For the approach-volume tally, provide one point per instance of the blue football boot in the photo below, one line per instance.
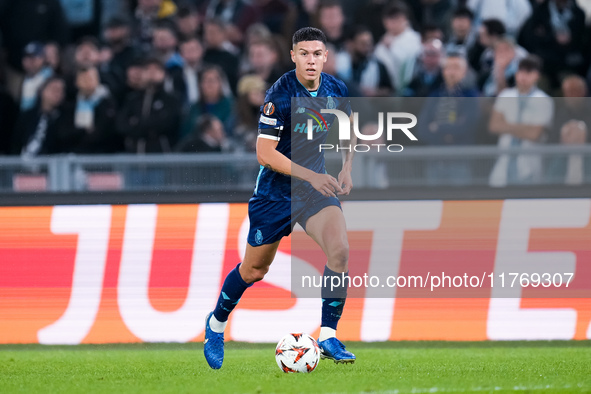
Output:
(213, 346)
(333, 349)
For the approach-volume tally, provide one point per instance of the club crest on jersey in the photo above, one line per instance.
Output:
(330, 103)
(269, 109)
(259, 237)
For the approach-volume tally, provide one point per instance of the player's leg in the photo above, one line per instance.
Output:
(269, 222)
(329, 230)
(253, 268)
(257, 260)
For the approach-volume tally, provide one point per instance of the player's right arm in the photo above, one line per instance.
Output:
(269, 157)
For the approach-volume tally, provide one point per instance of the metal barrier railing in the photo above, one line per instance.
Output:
(414, 166)
(474, 166)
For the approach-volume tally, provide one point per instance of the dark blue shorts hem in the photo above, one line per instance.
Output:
(272, 220)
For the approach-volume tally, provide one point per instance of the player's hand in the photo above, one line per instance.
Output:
(326, 184)
(346, 182)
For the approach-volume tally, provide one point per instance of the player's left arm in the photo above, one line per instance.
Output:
(345, 180)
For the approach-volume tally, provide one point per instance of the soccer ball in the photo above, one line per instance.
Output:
(297, 352)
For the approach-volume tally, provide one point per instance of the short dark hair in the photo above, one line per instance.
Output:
(185, 10)
(308, 34)
(204, 123)
(117, 21)
(463, 12)
(190, 38)
(218, 70)
(49, 81)
(82, 70)
(396, 9)
(137, 61)
(357, 31)
(88, 40)
(530, 63)
(429, 27)
(166, 25)
(153, 61)
(494, 27)
(456, 55)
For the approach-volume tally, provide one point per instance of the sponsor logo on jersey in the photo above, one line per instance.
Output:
(303, 128)
(317, 121)
(269, 121)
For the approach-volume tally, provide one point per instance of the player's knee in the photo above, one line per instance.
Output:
(258, 274)
(255, 274)
(339, 256)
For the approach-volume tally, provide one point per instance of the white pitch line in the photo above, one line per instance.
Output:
(473, 389)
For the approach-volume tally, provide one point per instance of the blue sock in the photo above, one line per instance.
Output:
(233, 288)
(333, 299)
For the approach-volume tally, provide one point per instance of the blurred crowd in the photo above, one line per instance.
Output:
(150, 76)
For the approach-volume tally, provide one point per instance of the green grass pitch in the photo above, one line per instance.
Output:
(392, 367)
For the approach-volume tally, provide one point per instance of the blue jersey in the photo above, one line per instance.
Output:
(276, 123)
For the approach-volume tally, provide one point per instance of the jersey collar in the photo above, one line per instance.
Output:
(307, 91)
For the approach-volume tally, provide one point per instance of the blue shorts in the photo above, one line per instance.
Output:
(272, 220)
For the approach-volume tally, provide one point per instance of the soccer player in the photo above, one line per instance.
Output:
(290, 191)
